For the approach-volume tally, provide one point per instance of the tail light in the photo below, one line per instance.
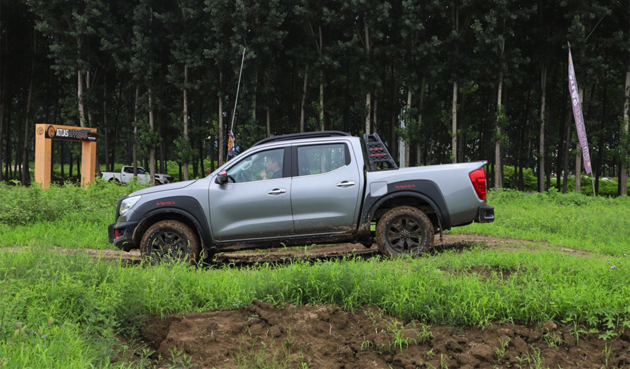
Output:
(478, 179)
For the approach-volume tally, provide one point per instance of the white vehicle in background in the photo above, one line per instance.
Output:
(126, 176)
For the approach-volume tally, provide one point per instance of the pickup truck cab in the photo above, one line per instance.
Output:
(126, 176)
(300, 189)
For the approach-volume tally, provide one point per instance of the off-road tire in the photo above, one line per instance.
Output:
(404, 230)
(169, 240)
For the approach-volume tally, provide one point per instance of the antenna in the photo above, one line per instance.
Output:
(238, 87)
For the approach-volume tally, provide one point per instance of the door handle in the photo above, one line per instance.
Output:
(344, 184)
(277, 191)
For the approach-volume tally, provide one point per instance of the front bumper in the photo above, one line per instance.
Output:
(120, 235)
(486, 214)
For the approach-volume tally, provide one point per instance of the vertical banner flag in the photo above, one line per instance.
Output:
(577, 115)
(231, 145)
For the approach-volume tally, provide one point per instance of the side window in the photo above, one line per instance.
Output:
(128, 170)
(140, 171)
(320, 159)
(260, 166)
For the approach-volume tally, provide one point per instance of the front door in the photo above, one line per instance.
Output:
(256, 201)
(325, 191)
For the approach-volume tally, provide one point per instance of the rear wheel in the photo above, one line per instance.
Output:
(169, 240)
(404, 230)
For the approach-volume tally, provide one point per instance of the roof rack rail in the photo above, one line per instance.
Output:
(297, 136)
(377, 153)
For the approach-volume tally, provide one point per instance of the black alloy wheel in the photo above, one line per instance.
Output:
(169, 240)
(404, 230)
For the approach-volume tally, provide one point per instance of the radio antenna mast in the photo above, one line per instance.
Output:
(238, 87)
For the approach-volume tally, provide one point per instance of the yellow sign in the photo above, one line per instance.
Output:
(43, 147)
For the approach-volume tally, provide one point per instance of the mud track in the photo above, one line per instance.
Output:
(328, 252)
(267, 336)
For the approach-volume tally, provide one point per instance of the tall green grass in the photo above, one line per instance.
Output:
(65, 216)
(90, 300)
(598, 224)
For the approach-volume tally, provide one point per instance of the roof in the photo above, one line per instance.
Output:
(301, 136)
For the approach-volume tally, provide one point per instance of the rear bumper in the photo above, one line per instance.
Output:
(120, 235)
(486, 214)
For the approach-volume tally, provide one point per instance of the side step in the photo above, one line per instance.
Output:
(377, 153)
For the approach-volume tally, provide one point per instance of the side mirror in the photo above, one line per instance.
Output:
(222, 178)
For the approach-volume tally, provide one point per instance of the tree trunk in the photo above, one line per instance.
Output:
(454, 124)
(88, 83)
(320, 47)
(418, 152)
(303, 99)
(562, 144)
(374, 112)
(185, 116)
(321, 99)
(407, 142)
(600, 144)
(498, 173)
(220, 123)
(118, 107)
(402, 144)
(3, 91)
(8, 136)
(623, 173)
(268, 105)
(567, 150)
(541, 150)
(367, 115)
(161, 130)
(392, 123)
(25, 171)
(201, 137)
(135, 133)
(80, 93)
(105, 127)
(152, 128)
(255, 95)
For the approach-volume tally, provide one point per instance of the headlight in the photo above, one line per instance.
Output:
(128, 203)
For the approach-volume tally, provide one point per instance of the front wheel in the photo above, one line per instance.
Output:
(404, 230)
(169, 240)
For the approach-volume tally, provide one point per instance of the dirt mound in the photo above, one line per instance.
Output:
(263, 335)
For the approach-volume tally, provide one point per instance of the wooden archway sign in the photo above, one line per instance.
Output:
(44, 133)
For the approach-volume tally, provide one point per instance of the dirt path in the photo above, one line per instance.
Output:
(458, 242)
(449, 242)
(264, 335)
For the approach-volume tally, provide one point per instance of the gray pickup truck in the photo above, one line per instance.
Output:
(300, 189)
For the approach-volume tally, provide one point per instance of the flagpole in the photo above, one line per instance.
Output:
(593, 183)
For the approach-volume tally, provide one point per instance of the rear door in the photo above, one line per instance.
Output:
(325, 188)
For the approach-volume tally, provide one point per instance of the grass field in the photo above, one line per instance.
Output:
(69, 217)
(60, 310)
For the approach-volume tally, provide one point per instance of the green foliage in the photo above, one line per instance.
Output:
(530, 183)
(61, 215)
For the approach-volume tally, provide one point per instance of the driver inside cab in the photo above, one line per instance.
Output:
(273, 168)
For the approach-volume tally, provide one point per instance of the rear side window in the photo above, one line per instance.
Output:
(319, 159)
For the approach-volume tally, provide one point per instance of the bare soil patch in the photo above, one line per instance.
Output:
(328, 337)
